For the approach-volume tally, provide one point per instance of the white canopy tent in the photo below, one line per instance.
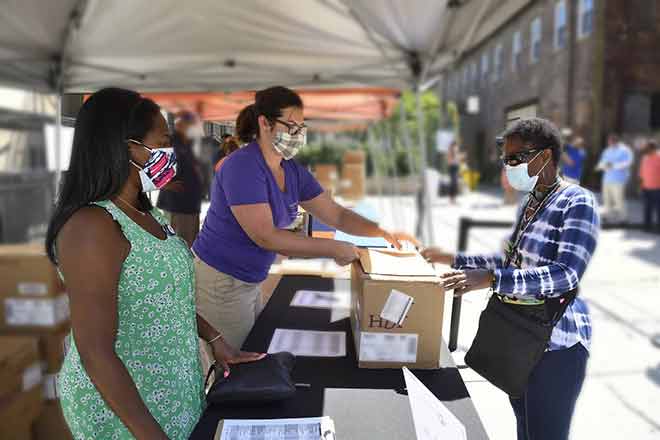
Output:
(209, 45)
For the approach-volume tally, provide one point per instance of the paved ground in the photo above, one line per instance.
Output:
(621, 396)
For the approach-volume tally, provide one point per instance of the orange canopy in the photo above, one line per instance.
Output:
(353, 106)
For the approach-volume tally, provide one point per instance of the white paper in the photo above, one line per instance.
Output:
(32, 377)
(45, 312)
(308, 343)
(322, 300)
(433, 421)
(50, 387)
(316, 428)
(388, 347)
(32, 289)
(396, 307)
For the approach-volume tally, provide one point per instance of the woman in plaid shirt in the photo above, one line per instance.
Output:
(558, 237)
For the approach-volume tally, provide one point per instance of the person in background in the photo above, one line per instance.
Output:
(454, 159)
(615, 163)
(649, 173)
(220, 153)
(182, 207)
(254, 201)
(560, 226)
(229, 145)
(132, 370)
(572, 160)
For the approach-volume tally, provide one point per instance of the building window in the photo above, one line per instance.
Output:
(560, 25)
(585, 18)
(655, 111)
(484, 67)
(497, 63)
(516, 58)
(535, 48)
(643, 13)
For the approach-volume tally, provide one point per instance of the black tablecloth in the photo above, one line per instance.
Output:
(360, 401)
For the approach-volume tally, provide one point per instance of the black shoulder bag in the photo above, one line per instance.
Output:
(511, 338)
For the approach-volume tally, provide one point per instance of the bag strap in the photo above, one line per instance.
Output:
(212, 369)
(556, 311)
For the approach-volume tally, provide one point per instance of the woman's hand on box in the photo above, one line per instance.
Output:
(464, 281)
(397, 239)
(437, 255)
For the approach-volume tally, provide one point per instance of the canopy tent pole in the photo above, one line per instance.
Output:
(375, 165)
(405, 138)
(426, 206)
(58, 144)
(407, 146)
(391, 151)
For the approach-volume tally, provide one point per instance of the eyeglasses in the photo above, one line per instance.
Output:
(293, 128)
(520, 157)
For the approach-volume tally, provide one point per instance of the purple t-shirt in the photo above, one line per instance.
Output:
(245, 179)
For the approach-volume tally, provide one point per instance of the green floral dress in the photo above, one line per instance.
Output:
(156, 340)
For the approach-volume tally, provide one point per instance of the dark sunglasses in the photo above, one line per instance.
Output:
(520, 157)
(293, 128)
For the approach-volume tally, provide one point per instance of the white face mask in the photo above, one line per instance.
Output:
(519, 177)
(288, 145)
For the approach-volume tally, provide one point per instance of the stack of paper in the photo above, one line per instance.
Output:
(308, 343)
(315, 428)
(322, 300)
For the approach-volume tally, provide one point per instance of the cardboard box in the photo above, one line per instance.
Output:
(327, 175)
(20, 367)
(32, 294)
(21, 432)
(380, 343)
(50, 425)
(26, 271)
(354, 157)
(354, 181)
(52, 347)
(18, 412)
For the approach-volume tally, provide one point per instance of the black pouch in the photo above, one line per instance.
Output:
(254, 383)
(511, 340)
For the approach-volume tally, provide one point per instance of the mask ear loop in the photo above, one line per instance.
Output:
(542, 168)
(142, 145)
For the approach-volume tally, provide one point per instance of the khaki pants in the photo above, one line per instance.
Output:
(186, 226)
(614, 198)
(230, 305)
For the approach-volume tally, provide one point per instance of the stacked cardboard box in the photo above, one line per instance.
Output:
(327, 176)
(414, 340)
(32, 295)
(353, 175)
(21, 392)
(35, 304)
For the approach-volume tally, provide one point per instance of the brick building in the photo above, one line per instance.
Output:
(590, 65)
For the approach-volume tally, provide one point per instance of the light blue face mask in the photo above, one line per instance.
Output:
(519, 177)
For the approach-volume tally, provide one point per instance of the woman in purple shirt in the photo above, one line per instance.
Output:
(255, 197)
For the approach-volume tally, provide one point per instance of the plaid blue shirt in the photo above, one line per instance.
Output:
(556, 249)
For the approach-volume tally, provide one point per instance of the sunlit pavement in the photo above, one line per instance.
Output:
(621, 395)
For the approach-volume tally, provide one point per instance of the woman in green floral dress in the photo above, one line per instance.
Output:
(133, 369)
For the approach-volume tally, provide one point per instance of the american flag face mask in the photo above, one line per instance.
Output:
(158, 170)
